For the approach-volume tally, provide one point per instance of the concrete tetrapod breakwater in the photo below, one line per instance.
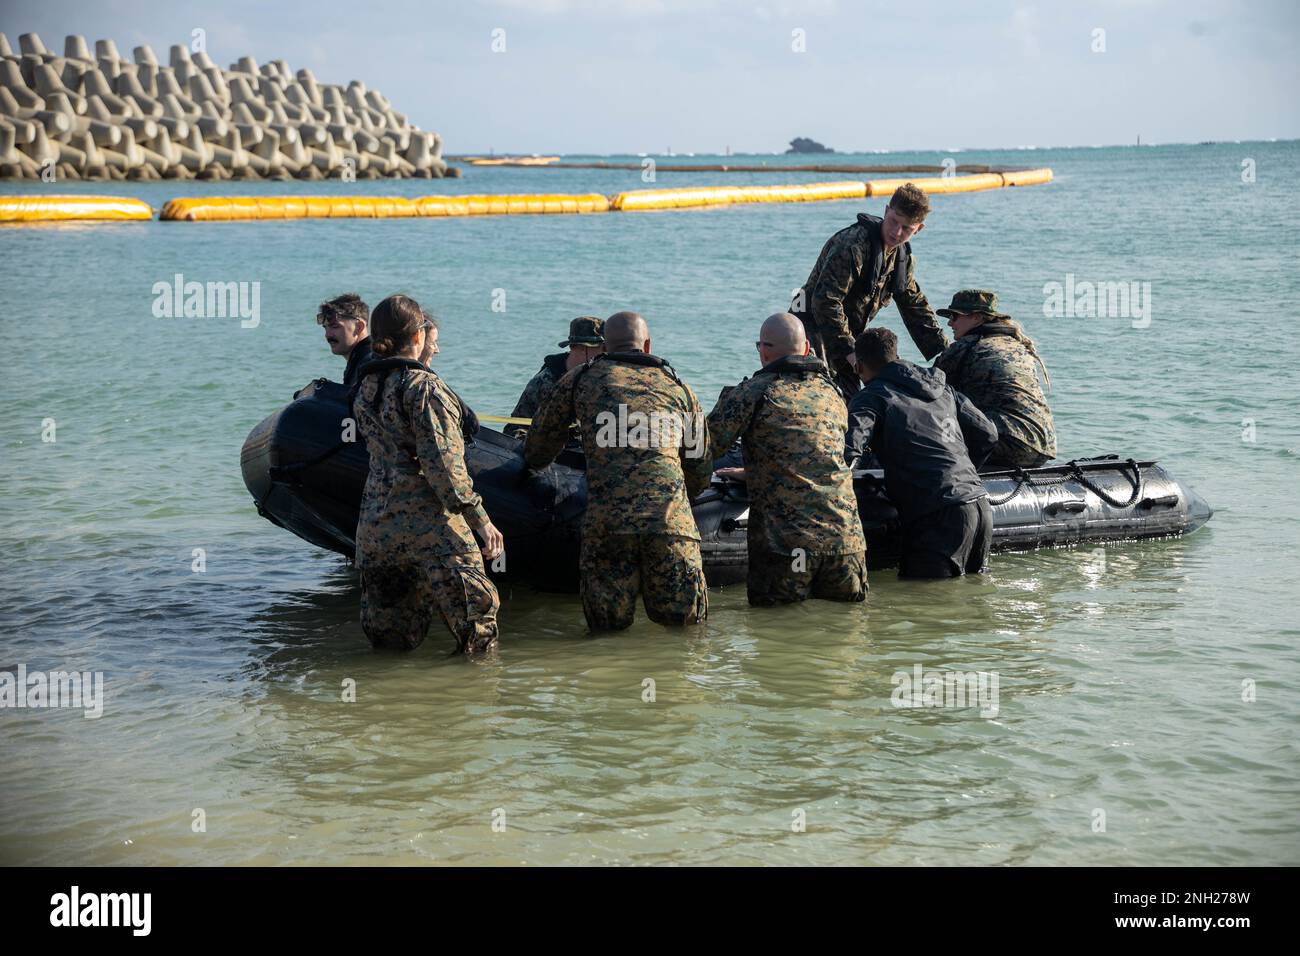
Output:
(79, 116)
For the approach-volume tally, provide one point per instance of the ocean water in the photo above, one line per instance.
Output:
(1147, 711)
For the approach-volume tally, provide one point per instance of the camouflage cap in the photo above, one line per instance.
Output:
(585, 330)
(973, 301)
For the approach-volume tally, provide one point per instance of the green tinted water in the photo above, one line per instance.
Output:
(771, 737)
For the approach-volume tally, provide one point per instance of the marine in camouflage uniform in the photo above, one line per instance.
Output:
(804, 534)
(585, 333)
(996, 366)
(415, 550)
(854, 278)
(638, 534)
(536, 392)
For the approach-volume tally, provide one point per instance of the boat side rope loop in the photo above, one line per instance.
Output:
(1135, 481)
(1023, 478)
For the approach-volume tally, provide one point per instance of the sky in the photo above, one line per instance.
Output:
(647, 76)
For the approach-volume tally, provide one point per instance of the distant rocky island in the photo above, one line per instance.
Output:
(102, 116)
(801, 144)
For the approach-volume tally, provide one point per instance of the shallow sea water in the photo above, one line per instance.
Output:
(1121, 668)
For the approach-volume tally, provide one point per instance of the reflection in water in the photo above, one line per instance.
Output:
(755, 716)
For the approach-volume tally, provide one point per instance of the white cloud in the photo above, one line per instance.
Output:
(1024, 31)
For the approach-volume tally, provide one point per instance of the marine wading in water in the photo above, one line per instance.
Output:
(638, 536)
(831, 393)
(804, 537)
(415, 548)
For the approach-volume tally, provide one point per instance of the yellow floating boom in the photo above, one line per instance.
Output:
(236, 208)
(962, 184)
(36, 208)
(512, 205)
(647, 199)
(72, 209)
(230, 208)
(937, 184)
(639, 199)
(1026, 177)
(511, 160)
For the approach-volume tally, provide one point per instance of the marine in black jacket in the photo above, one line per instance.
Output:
(346, 321)
(929, 439)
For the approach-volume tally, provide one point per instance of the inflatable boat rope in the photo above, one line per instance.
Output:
(1076, 473)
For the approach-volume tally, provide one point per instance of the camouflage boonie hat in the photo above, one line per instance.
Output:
(973, 301)
(585, 330)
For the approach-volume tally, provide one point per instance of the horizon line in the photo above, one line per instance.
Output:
(490, 151)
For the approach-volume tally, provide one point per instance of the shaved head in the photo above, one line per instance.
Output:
(782, 334)
(626, 332)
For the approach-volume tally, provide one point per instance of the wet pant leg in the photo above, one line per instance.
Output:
(672, 579)
(781, 579)
(841, 577)
(610, 571)
(775, 578)
(939, 545)
(467, 600)
(978, 558)
(396, 606)
(399, 603)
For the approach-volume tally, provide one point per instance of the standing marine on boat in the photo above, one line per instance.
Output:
(346, 321)
(647, 449)
(804, 534)
(584, 343)
(414, 547)
(994, 364)
(860, 269)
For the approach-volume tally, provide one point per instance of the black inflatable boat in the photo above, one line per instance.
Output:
(305, 479)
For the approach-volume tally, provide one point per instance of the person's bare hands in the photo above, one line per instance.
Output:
(494, 543)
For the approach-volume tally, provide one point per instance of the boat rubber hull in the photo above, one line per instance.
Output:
(306, 479)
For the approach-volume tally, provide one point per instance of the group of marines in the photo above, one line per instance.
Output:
(831, 395)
